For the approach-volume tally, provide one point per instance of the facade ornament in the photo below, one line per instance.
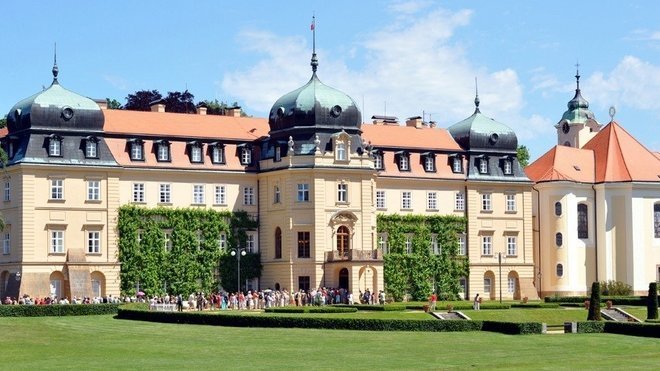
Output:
(291, 143)
(317, 145)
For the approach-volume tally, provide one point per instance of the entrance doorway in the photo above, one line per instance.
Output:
(343, 278)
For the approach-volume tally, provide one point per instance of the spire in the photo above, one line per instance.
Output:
(56, 70)
(577, 102)
(315, 61)
(476, 96)
(577, 75)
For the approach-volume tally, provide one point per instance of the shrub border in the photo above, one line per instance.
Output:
(57, 310)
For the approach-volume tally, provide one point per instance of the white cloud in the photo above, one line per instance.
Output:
(645, 35)
(116, 81)
(408, 7)
(410, 66)
(632, 83)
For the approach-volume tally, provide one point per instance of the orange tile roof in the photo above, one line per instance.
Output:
(442, 166)
(563, 163)
(621, 158)
(184, 125)
(3, 132)
(409, 137)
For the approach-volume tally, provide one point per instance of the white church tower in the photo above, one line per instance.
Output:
(578, 125)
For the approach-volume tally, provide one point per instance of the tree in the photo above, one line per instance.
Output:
(113, 103)
(141, 100)
(3, 122)
(180, 102)
(523, 155)
(594, 303)
(652, 301)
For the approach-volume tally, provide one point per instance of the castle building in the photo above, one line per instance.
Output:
(596, 205)
(313, 174)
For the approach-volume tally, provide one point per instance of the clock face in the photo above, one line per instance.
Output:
(565, 128)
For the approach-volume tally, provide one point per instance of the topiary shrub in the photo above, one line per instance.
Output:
(652, 301)
(594, 303)
(615, 288)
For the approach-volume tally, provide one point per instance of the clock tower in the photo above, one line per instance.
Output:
(578, 124)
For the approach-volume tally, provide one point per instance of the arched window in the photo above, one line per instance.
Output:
(559, 239)
(656, 219)
(278, 243)
(583, 225)
(343, 240)
(558, 208)
(560, 270)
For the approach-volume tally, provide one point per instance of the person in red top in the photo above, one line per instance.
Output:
(432, 301)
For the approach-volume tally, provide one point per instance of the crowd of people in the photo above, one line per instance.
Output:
(26, 299)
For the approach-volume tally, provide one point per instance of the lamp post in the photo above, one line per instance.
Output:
(499, 261)
(238, 253)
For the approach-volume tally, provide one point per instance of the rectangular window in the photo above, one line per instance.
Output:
(486, 202)
(167, 240)
(138, 192)
(511, 246)
(57, 189)
(382, 242)
(459, 201)
(483, 166)
(137, 151)
(303, 245)
(435, 246)
(7, 190)
(163, 152)
(6, 244)
(583, 221)
(220, 195)
(409, 238)
(218, 155)
(246, 156)
(380, 199)
(248, 196)
(508, 168)
(511, 286)
(406, 200)
(432, 201)
(510, 202)
(342, 192)
(462, 246)
(250, 244)
(304, 283)
(222, 241)
(429, 163)
(488, 287)
(164, 195)
(93, 242)
(196, 153)
(93, 190)
(486, 245)
(457, 165)
(55, 147)
(198, 194)
(278, 154)
(277, 195)
(57, 242)
(91, 149)
(303, 192)
(341, 151)
(404, 162)
(378, 161)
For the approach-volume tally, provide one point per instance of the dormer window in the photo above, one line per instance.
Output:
(278, 154)
(340, 151)
(457, 164)
(429, 162)
(195, 152)
(136, 149)
(91, 147)
(246, 155)
(507, 166)
(217, 153)
(483, 165)
(378, 160)
(404, 161)
(162, 151)
(55, 146)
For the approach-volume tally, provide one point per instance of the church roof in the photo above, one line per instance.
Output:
(613, 155)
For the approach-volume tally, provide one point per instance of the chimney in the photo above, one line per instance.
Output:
(157, 105)
(415, 122)
(201, 111)
(385, 120)
(233, 111)
(432, 124)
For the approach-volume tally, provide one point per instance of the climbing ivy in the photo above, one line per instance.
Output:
(195, 260)
(416, 272)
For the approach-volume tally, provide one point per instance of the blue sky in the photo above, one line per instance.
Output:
(402, 58)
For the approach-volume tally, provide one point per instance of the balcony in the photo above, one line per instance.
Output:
(353, 255)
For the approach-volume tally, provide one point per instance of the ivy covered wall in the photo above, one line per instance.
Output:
(192, 260)
(417, 272)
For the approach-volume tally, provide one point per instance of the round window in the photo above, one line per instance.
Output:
(67, 113)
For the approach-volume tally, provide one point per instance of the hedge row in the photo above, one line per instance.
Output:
(311, 310)
(616, 300)
(376, 308)
(57, 310)
(623, 328)
(513, 328)
(535, 305)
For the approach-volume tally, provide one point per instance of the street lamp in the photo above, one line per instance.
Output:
(238, 253)
(499, 262)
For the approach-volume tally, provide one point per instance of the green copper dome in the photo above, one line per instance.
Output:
(578, 108)
(479, 132)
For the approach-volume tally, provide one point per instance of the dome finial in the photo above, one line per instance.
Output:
(315, 61)
(476, 96)
(577, 75)
(56, 70)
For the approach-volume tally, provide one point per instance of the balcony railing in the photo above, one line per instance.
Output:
(352, 254)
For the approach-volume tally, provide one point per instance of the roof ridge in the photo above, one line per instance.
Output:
(614, 137)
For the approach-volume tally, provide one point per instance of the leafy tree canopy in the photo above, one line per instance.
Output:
(140, 101)
(180, 102)
(523, 155)
(3, 122)
(215, 107)
(113, 103)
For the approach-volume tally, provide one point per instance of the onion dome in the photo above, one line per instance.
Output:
(578, 108)
(55, 108)
(482, 133)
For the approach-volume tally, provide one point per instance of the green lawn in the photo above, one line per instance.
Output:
(101, 342)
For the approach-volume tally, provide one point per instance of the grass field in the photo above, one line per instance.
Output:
(101, 342)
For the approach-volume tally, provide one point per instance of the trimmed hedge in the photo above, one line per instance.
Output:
(201, 318)
(616, 300)
(57, 310)
(633, 328)
(375, 308)
(590, 327)
(535, 305)
(311, 310)
(513, 328)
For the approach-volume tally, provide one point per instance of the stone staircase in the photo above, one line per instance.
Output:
(618, 315)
